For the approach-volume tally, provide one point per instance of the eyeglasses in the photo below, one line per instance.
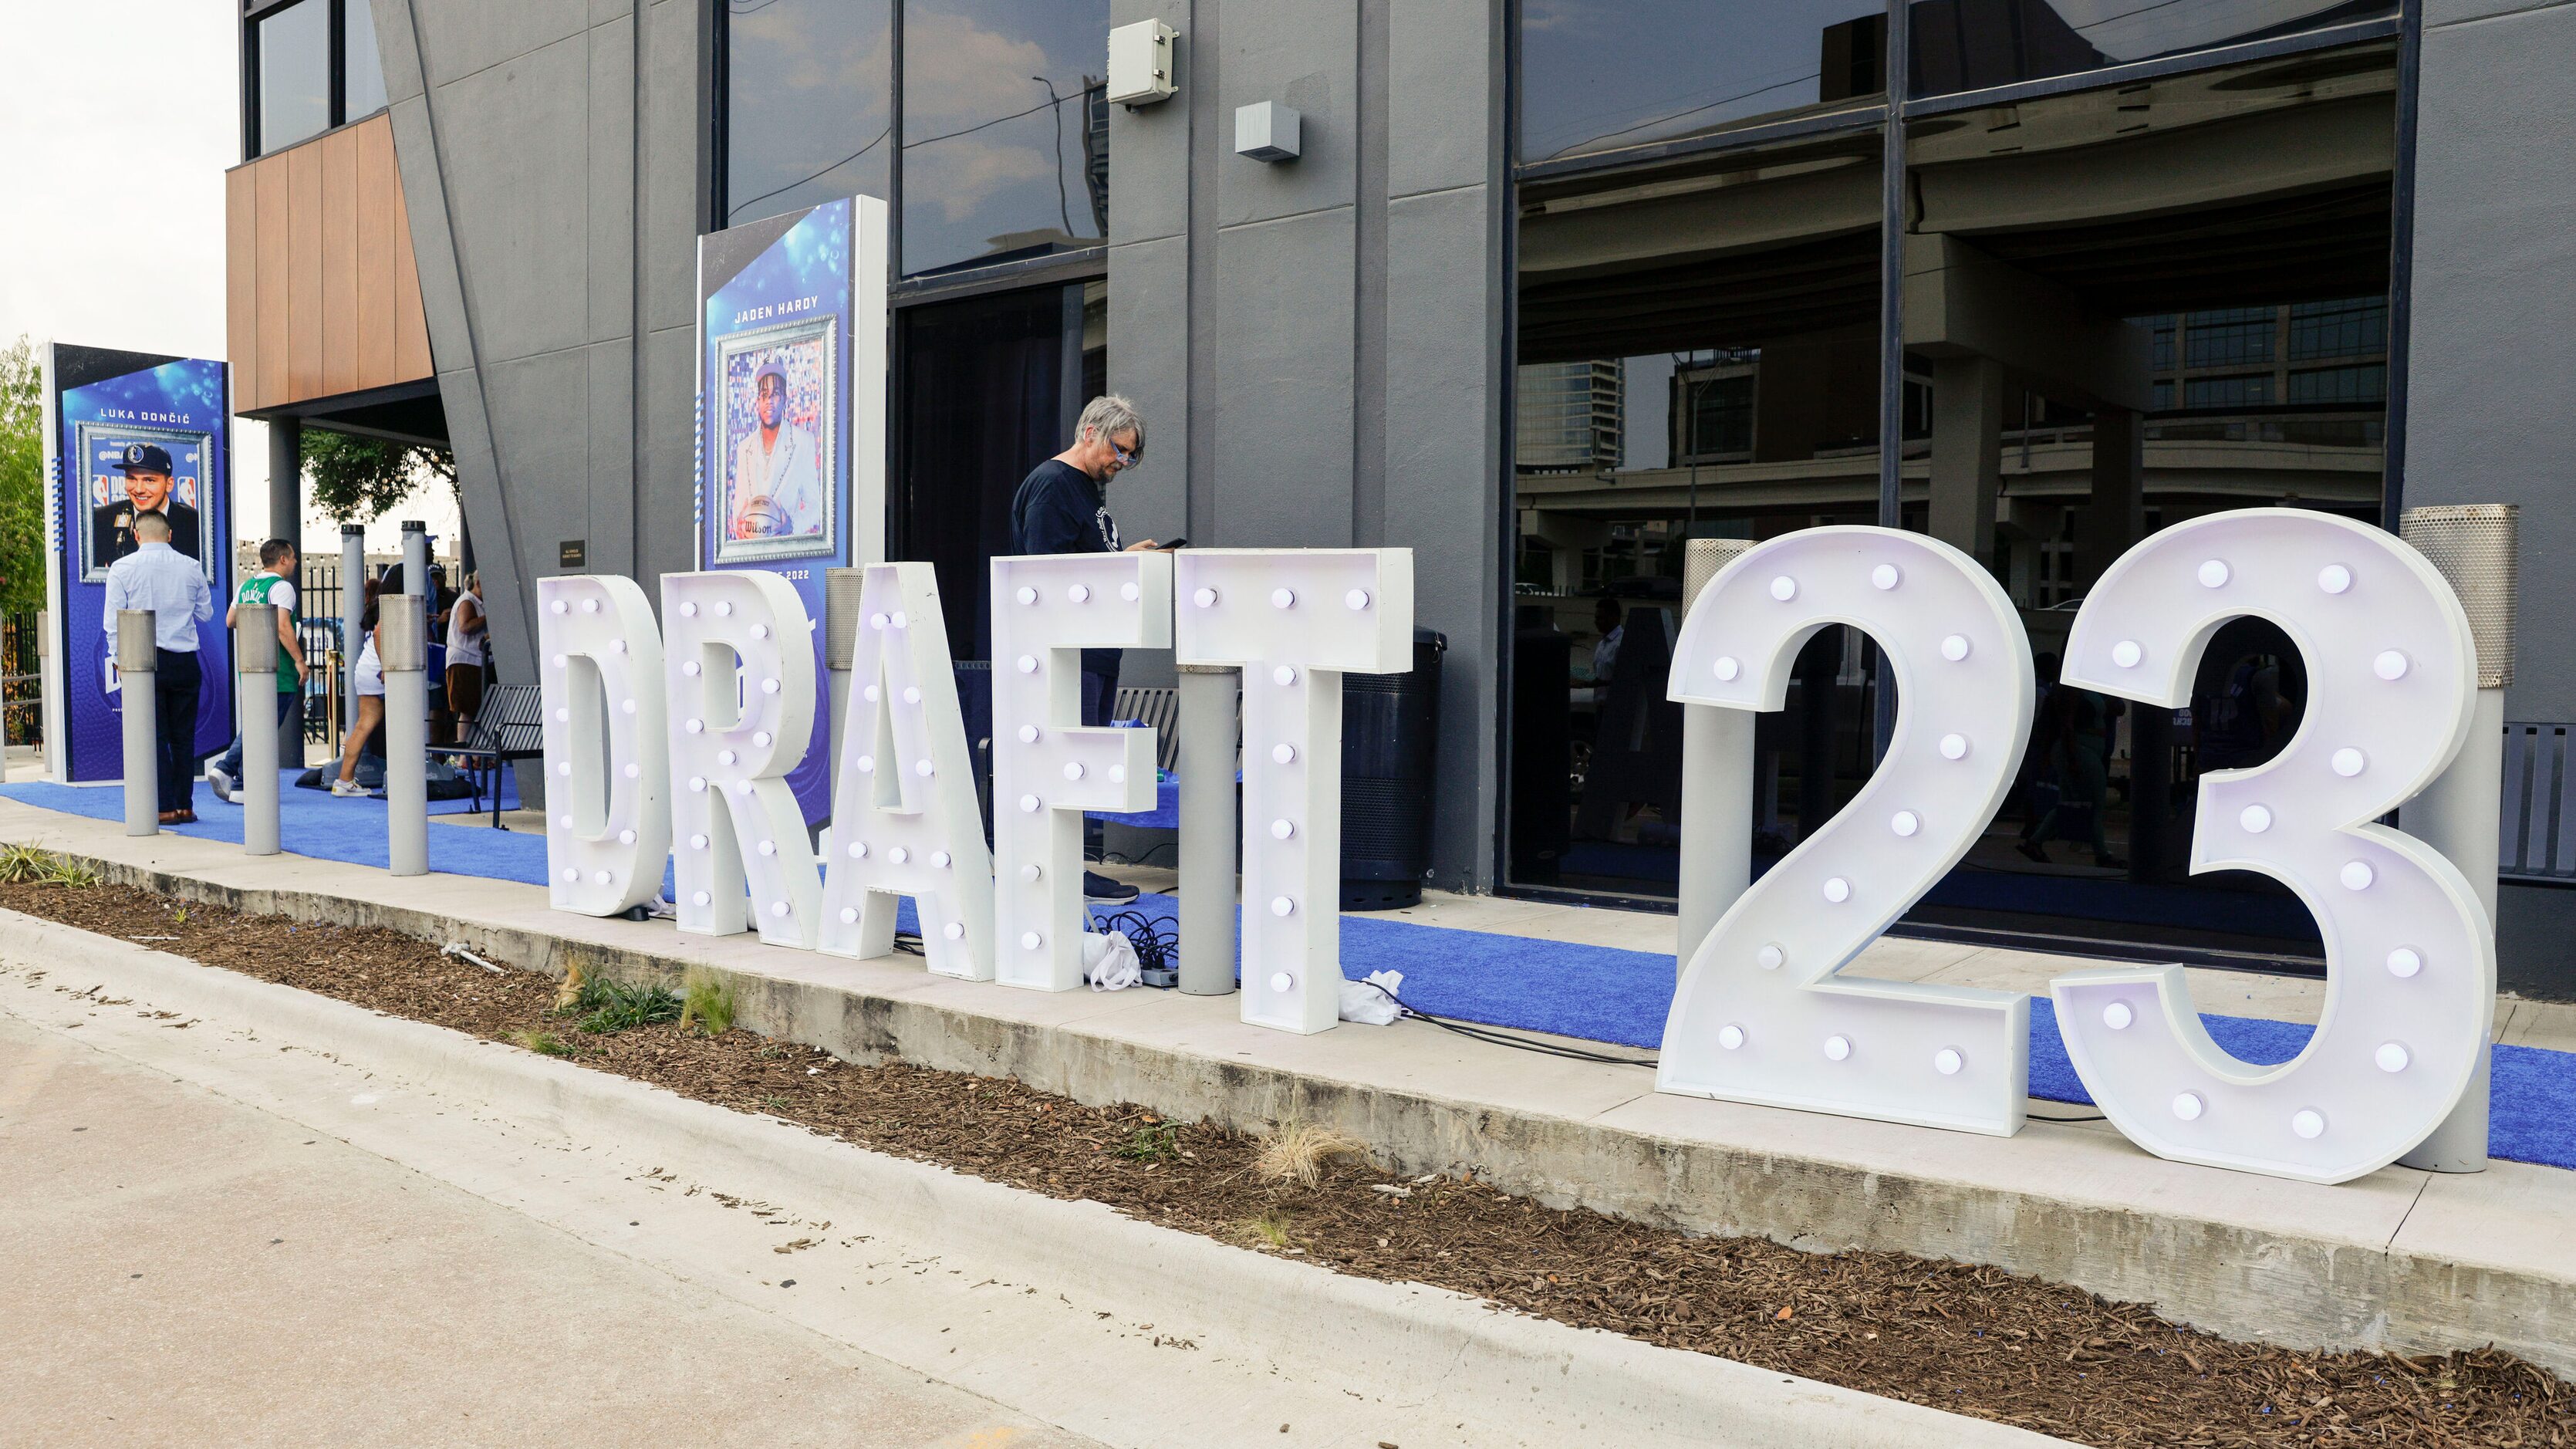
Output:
(1125, 458)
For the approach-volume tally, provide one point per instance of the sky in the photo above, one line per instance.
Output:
(112, 213)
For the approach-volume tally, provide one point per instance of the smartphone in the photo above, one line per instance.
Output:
(1168, 547)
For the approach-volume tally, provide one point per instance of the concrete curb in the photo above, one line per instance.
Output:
(1561, 1384)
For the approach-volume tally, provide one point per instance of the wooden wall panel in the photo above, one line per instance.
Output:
(322, 294)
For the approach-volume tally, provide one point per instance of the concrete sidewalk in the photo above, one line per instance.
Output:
(187, 1270)
(2400, 1260)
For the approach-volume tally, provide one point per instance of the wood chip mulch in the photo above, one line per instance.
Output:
(1972, 1340)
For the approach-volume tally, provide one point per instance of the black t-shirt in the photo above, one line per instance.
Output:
(1061, 509)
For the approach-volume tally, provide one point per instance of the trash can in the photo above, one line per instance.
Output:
(1390, 737)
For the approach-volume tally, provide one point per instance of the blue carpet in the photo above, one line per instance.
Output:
(1597, 993)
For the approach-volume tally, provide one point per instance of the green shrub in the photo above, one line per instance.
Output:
(606, 1006)
(707, 1004)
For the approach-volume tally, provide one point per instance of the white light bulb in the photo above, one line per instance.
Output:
(1030, 873)
(769, 686)
(626, 837)
(1204, 598)
(897, 855)
(1029, 803)
(760, 631)
(867, 764)
(695, 726)
(697, 782)
(1028, 734)
(2334, 578)
(564, 820)
(1281, 829)
(1886, 576)
(1283, 676)
(939, 860)
(701, 898)
(1282, 906)
(2357, 875)
(689, 611)
(1954, 747)
(599, 877)
(1726, 668)
(689, 668)
(742, 787)
(1027, 595)
(1130, 592)
(561, 606)
(563, 716)
(778, 909)
(626, 706)
(1730, 1036)
(2187, 1106)
(871, 694)
(760, 738)
(769, 847)
(1770, 957)
(858, 850)
(1905, 822)
(2126, 654)
(1784, 588)
(911, 694)
(2389, 665)
(2348, 762)
(1357, 599)
(954, 930)
(1028, 664)
(1283, 598)
(1837, 889)
(563, 767)
(634, 771)
(1281, 981)
(2213, 574)
(1837, 1048)
(724, 757)
(616, 646)
(572, 873)
(561, 661)
(923, 768)
(2255, 818)
(1078, 594)
(2117, 1016)
(1283, 754)
(849, 915)
(1073, 770)
(1954, 647)
(590, 606)
(2309, 1123)
(723, 607)
(2391, 1057)
(900, 618)
(2405, 961)
(699, 842)
(1947, 1061)
(1118, 774)
(1030, 940)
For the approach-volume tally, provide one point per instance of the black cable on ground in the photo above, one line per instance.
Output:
(1498, 1037)
(1158, 947)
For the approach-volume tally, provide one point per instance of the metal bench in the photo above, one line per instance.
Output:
(509, 727)
(2539, 807)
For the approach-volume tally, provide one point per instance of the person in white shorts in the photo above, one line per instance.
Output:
(371, 703)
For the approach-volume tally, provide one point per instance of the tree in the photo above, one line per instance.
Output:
(22, 474)
(356, 479)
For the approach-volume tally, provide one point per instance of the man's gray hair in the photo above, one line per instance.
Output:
(1109, 415)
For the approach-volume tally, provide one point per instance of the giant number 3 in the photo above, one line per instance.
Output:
(2410, 956)
(1759, 1015)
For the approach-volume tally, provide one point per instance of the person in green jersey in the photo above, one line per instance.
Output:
(273, 584)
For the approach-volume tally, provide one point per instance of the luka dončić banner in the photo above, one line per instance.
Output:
(128, 433)
(791, 412)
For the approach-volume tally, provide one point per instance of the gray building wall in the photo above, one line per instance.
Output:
(549, 152)
(1322, 339)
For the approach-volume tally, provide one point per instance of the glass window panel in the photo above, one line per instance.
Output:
(365, 82)
(2328, 385)
(1963, 45)
(1005, 129)
(294, 74)
(2231, 337)
(2251, 390)
(1600, 74)
(2338, 329)
(809, 103)
(1699, 359)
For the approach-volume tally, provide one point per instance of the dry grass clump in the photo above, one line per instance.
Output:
(1300, 1151)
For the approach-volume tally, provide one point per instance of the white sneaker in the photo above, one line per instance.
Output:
(222, 783)
(346, 787)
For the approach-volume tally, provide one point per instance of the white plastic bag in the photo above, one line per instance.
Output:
(1109, 961)
(1364, 1003)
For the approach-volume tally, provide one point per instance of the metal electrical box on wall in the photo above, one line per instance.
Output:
(1140, 63)
(1267, 131)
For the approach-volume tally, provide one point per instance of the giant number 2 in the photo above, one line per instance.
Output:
(2410, 956)
(1759, 1015)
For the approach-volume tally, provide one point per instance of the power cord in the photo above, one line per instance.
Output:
(1158, 946)
(1477, 1032)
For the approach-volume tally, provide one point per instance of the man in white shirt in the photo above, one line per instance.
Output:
(160, 578)
(777, 484)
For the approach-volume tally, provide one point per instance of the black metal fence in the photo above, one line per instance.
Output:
(22, 708)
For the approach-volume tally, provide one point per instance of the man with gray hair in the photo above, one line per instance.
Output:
(1063, 507)
(171, 585)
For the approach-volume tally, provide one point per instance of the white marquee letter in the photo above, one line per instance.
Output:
(2410, 955)
(1047, 770)
(1294, 620)
(608, 820)
(904, 817)
(741, 672)
(1760, 1015)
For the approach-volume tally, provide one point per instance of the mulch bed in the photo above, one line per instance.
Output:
(1971, 1340)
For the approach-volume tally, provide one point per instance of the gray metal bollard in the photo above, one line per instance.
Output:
(255, 646)
(1210, 748)
(353, 609)
(415, 547)
(137, 668)
(1717, 784)
(2459, 814)
(402, 649)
